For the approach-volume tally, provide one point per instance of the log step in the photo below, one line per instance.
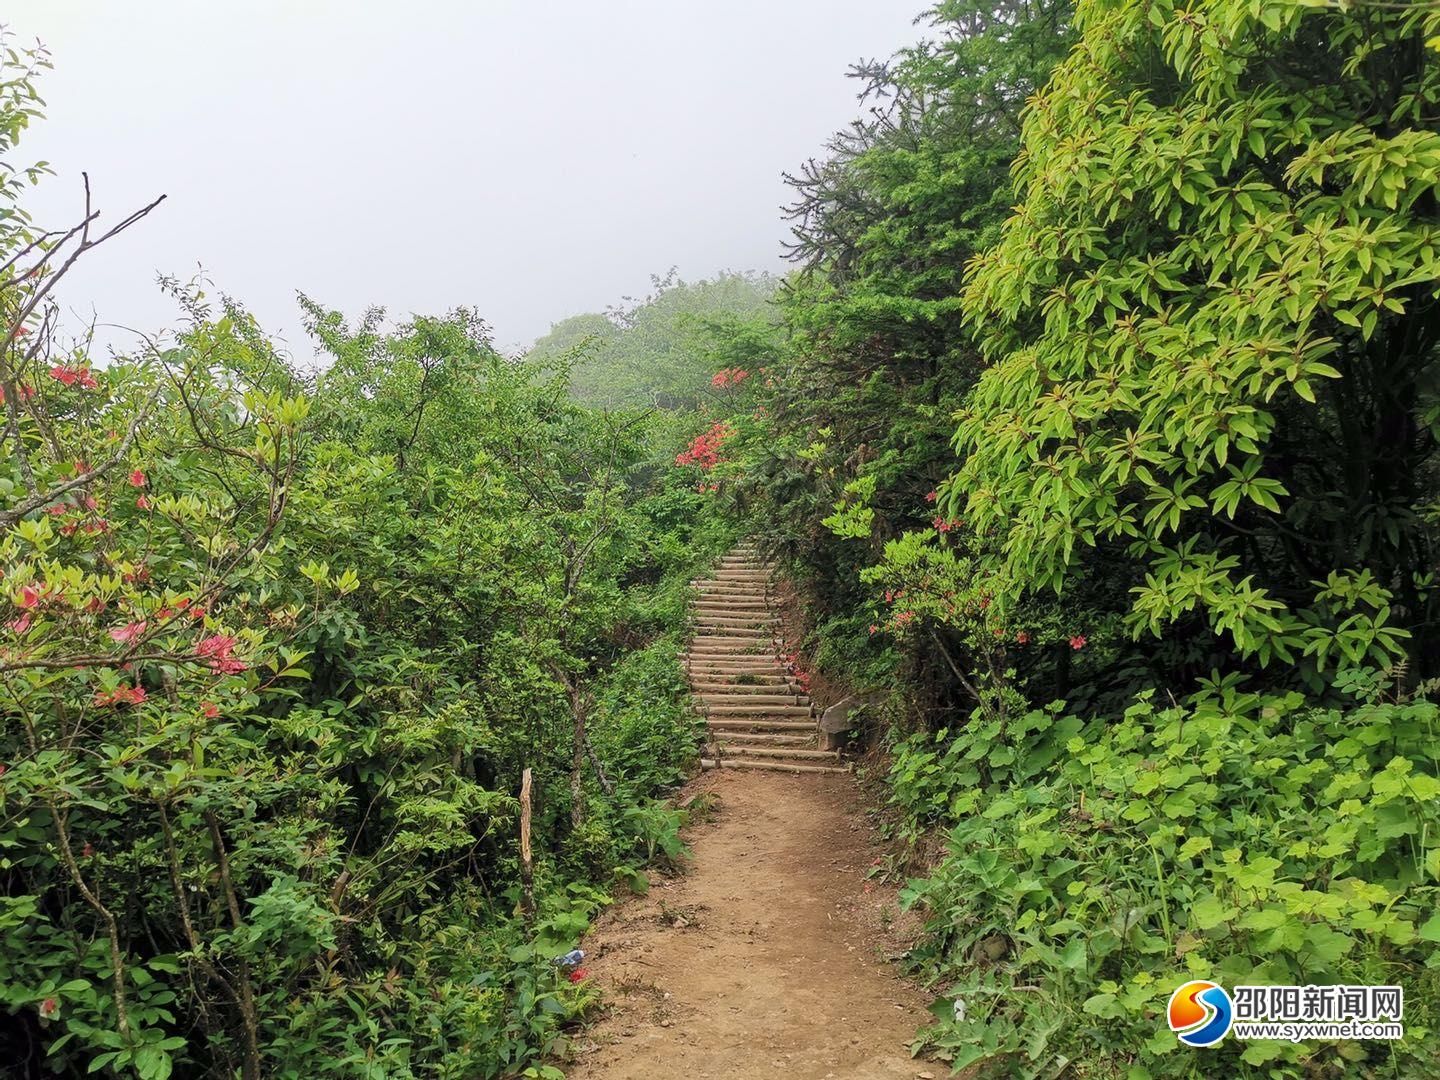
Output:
(775, 753)
(771, 766)
(728, 709)
(778, 727)
(753, 699)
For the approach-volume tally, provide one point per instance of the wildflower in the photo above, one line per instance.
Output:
(216, 646)
(579, 975)
(71, 376)
(941, 525)
(1022, 638)
(931, 496)
(20, 625)
(49, 1009)
(29, 597)
(873, 628)
(209, 710)
(56, 509)
(95, 605)
(124, 695)
(137, 479)
(142, 503)
(129, 632)
(1077, 642)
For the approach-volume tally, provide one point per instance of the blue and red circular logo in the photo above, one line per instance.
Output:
(1200, 1013)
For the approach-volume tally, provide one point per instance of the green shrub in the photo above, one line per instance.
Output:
(1241, 839)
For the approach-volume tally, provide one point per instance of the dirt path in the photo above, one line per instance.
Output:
(765, 959)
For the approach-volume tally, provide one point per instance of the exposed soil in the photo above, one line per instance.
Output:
(768, 957)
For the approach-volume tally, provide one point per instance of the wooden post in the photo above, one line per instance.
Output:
(527, 867)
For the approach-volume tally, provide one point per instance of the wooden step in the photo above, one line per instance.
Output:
(771, 766)
(741, 663)
(747, 690)
(745, 698)
(779, 727)
(732, 663)
(759, 623)
(774, 753)
(728, 709)
(701, 680)
(761, 738)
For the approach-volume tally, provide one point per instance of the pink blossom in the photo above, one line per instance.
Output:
(129, 632)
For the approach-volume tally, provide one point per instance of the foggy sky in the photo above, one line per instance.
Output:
(531, 160)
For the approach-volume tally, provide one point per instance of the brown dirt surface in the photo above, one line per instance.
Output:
(765, 959)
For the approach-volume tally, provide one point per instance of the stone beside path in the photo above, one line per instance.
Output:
(756, 716)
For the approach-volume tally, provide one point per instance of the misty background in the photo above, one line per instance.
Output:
(531, 161)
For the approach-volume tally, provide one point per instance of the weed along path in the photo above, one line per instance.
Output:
(766, 958)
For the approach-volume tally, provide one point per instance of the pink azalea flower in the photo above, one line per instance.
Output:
(129, 632)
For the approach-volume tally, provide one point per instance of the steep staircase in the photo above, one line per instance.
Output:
(757, 718)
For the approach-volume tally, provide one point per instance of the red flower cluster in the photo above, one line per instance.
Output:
(1022, 638)
(931, 496)
(1077, 642)
(733, 376)
(70, 376)
(124, 695)
(704, 450)
(579, 975)
(216, 649)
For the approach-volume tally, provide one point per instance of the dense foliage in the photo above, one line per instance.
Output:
(275, 650)
(1097, 424)
(1100, 431)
